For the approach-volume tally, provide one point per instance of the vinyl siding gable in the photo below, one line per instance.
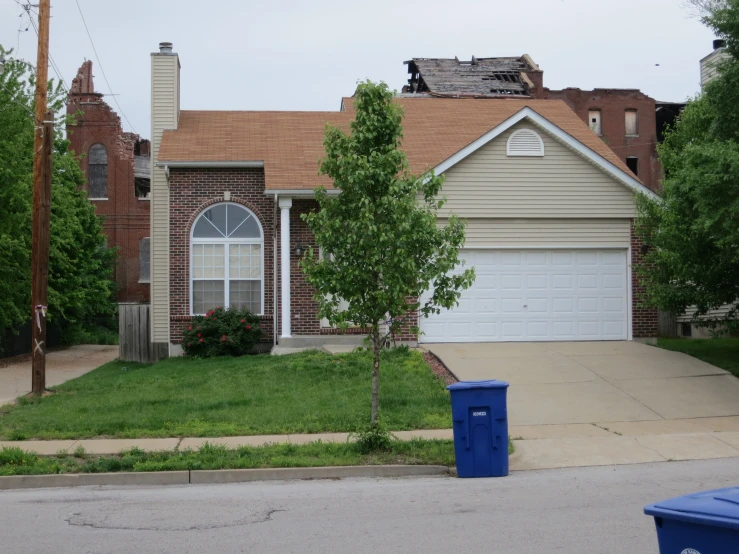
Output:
(561, 184)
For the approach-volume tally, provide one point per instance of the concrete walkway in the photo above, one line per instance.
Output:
(593, 382)
(537, 446)
(62, 365)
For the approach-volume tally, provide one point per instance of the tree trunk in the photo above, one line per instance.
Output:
(375, 376)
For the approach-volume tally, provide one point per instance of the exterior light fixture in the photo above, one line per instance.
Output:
(299, 249)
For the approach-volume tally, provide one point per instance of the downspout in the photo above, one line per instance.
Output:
(274, 272)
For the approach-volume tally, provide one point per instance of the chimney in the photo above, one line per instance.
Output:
(719, 43)
(165, 115)
(532, 76)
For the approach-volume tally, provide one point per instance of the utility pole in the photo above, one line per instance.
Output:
(42, 147)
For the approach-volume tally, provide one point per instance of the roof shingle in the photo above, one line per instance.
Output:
(291, 143)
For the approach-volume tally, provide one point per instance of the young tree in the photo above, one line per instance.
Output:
(381, 243)
(694, 229)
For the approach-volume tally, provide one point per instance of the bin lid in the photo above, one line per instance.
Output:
(467, 385)
(717, 507)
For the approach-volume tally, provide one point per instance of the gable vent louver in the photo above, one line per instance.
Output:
(525, 142)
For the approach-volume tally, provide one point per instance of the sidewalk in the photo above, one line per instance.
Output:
(537, 446)
(61, 365)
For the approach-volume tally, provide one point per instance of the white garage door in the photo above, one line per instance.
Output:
(538, 295)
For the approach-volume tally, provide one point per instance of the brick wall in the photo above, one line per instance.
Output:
(304, 320)
(191, 192)
(645, 322)
(126, 216)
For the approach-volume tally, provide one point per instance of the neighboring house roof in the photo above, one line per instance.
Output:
(291, 143)
(480, 77)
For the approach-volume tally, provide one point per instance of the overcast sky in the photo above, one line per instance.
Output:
(306, 55)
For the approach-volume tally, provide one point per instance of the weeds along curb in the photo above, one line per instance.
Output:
(216, 476)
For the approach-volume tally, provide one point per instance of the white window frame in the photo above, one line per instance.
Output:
(226, 251)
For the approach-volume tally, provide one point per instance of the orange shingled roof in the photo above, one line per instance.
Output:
(291, 143)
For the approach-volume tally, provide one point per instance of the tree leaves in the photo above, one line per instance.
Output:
(694, 229)
(80, 265)
(382, 229)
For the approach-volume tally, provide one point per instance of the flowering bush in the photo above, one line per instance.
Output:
(221, 332)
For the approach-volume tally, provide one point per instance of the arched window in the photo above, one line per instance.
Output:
(227, 260)
(98, 172)
(525, 142)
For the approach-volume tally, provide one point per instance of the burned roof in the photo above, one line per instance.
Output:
(479, 77)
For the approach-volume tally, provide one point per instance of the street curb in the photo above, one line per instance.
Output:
(330, 472)
(215, 476)
(87, 479)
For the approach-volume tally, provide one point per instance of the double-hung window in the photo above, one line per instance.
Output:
(227, 260)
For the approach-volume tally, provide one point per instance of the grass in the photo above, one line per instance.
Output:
(310, 392)
(13, 461)
(723, 353)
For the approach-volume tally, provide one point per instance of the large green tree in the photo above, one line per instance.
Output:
(694, 228)
(381, 243)
(80, 265)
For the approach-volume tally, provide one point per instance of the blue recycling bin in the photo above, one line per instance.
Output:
(480, 419)
(702, 523)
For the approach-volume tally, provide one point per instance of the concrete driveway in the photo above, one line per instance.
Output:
(61, 365)
(595, 382)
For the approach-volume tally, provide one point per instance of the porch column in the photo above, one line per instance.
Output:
(285, 205)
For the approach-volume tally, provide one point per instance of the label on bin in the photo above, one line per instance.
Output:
(690, 551)
(478, 414)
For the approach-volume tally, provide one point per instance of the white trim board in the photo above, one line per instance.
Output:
(546, 125)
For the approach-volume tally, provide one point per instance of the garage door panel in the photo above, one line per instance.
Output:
(538, 295)
(588, 305)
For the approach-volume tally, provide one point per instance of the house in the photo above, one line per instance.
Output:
(629, 121)
(116, 168)
(549, 209)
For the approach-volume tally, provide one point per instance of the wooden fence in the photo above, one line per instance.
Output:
(667, 324)
(134, 330)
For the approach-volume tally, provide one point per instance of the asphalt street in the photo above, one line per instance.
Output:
(593, 510)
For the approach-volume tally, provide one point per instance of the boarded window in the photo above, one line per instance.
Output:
(98, 172)
(633, 163)
(594, 121)
(145, 260)
(632, 124)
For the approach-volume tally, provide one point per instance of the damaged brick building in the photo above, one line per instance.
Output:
(116, 167)
(629, 121)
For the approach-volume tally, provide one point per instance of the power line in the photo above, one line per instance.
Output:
(53, 64)
(110, 89)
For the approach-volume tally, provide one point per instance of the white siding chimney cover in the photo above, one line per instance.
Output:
(525, 142)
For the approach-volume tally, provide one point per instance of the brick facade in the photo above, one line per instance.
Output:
(126, 216)
(645, 322)
(191, 192)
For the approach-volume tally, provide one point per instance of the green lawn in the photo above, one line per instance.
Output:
(13, 461)
(309, 392)
(723, 353)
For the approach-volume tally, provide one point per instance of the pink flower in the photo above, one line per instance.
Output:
(243, 321)
(188, 344)
(189, 328)
(201, 340)
(223, 338)
(248, 327)
(200, 335)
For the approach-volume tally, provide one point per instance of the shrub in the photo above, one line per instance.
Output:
(372, 438)
(221, 332)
